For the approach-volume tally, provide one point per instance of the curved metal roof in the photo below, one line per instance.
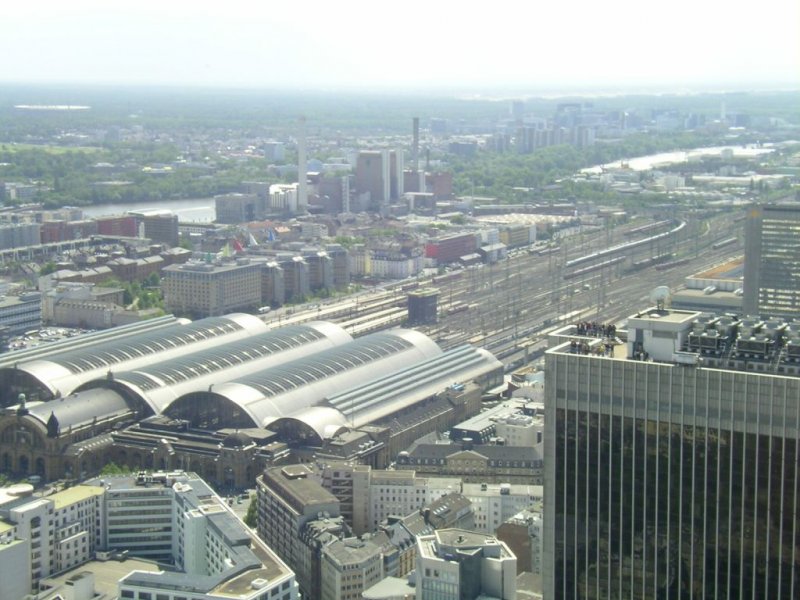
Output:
(159, 384)
(381, 397)
(284, 390)
(62, 373)
(325, 422)
(80, 409)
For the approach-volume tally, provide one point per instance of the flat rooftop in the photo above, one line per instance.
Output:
(733, 269)
(664, 316)
(106, 575)
(75, 494)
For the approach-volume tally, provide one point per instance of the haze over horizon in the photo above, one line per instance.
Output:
(414, 46)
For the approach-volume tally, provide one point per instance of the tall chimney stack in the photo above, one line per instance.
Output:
(415, 146)
(302, 169)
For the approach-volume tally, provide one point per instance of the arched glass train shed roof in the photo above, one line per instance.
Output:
(61, 373)
(380, 397)
(259, 399)
(162, 382)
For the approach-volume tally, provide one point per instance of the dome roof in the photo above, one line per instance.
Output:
(237, 439)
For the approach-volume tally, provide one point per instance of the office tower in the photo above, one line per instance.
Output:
(672, 460)
(160, 226)
(772, 260)
(423, 306)
(380, 172)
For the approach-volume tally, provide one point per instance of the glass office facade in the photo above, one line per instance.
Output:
(671, 482)
(772, 261)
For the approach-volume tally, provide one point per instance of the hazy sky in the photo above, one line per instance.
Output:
(563, 44)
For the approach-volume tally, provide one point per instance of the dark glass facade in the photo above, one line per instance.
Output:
(772, 261)
(647, 509)
(671, 482)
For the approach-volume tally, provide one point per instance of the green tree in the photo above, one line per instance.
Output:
(250, 517)
(47, 268)
(112, 468)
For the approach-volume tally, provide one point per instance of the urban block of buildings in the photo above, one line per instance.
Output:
(196, 546)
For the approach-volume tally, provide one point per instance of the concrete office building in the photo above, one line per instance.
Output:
(672, 464)
(288, 500)
(171, 517)
(238, 208)
(215, 555)
(772, 261)
(320, 270)
(47, 534)
(350, 566)
(454, 563)
(21, 313)
(495, 503)
(160, 226)
(296, 280)
(524, 535)
(19, 235)
(341, 265)
(273, 284)
(475, 464)
(204, 289)
(283, 198)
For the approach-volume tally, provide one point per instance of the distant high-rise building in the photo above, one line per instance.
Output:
(518, 110)
(302, 169)
(238, 208)
(158, 225)
(423, 306)
(772, 260)
(380, 172)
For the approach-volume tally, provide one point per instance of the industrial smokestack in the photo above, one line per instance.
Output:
(302, 169)
(415, 146)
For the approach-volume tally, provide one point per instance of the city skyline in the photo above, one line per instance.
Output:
(691, 46)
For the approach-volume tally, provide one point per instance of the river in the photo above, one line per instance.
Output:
(652, 161)
(195, 210)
